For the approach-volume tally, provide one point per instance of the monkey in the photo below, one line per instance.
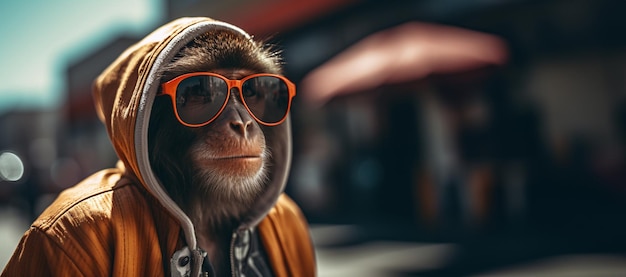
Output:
(198, 114)
(215, 191)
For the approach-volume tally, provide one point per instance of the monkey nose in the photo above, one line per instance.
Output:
(241, 127)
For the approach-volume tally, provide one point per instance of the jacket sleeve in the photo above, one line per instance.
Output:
(285, 235)
(37, 255)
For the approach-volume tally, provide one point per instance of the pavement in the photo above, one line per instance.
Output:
(513, 257)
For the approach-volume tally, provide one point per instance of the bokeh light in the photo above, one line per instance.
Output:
(11, 167)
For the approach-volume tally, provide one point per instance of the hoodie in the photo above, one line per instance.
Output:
(121, 222)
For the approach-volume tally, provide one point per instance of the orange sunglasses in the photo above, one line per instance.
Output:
(200, 97)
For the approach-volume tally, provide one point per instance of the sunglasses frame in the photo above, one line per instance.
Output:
(170, 87)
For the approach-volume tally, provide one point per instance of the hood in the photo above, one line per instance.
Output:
(124, 94)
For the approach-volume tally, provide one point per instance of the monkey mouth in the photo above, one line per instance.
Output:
(235, 165)
(238, 157)
(235, 159)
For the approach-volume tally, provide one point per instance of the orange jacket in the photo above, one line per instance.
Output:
(120, 221)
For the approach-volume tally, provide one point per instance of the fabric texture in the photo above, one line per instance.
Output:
(120, 221)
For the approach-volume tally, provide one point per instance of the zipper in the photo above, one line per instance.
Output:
(232, 254)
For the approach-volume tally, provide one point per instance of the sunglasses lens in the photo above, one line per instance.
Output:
(200, 98)
(267, 98)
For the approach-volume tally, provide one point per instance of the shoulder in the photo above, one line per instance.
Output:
(285, 236)
(286, 208)
(90, 201)
(74, 235)
(103, 223)
(285, 220)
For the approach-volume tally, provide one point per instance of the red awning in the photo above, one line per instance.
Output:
(406, 53)
(263, 18)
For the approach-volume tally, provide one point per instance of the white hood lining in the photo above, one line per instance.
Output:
(148, 94)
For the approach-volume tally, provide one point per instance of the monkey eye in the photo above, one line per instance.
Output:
(248, 92)
(199, 97)
(198, 93)
(180, 100)
(255, 88)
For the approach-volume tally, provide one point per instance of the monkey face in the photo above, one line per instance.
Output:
(230, 153)
(221, 156)
(225, 160)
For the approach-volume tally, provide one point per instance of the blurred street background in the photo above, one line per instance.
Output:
(431, 137)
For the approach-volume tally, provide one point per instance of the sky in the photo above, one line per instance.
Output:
(40, 38)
